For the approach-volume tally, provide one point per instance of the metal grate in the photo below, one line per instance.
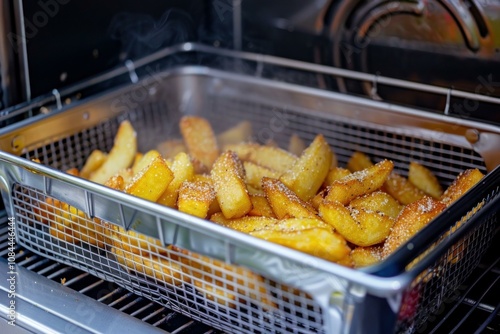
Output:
(224, 296)
(103, 291)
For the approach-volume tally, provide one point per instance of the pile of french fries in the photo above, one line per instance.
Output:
(299, 198)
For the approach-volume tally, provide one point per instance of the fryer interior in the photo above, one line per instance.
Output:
(276, 111)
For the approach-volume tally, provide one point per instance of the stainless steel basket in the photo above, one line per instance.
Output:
(221, 277)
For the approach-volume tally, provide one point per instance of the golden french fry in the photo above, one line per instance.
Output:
(157, 267)
(284, 202)
(366, 256)
(306, 176)
(121, 156)
(152, 181)
(127, 175)
(359, 226)
(412, 219)
(200, 139)
(116, 182)
(260, 206)
(378, 201)
(254, 174)
(270, 157)
(359, 183)
(72, 225)
(401, 189)
(318, 199)
(62, 232)
(183, 170)
(195, 198)
(466, 180)
(93, 162)
(145, 161)
(228, 177)
(239, 133)
(73, 171)
(249, 224)
(334, 174)
(320, 242)
(424, 179)
(358, 161)
(170, 148)
(230, 278)
(215, 291)
(138, 157)
(296, 145)
(134, 242)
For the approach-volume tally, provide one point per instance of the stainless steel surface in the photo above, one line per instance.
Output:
(277, 109)
(45, 306)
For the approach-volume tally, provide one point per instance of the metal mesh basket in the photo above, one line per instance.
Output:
(228, 280)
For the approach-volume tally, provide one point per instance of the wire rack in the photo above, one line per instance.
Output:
(234, 282)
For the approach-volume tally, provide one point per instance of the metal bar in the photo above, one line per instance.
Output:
(441, 322)
(259, 59)
(457, 326)
(91, 286)
(142, 309)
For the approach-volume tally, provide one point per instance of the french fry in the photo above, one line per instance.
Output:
(401, 189)
(378, 201)
(284, 202)
(260, 207)
(306, 176)
(134, 242)
(359, 183)
(127, 175)
(267, 156)
(366, 256)
(116, 182)
(318, 199)
(72, 225)
(214, 290)
(228, 177)
(73, 171)
(466, 180)
(254, 174)
(320, 242)
(152, 181)
(239, 133)
(412, 219)
(145, 161)
(195, 198)
(200, 139)
(334, 174)
(424, 179)
(359, 226)
(183, 170)
(249, 224)
(93, 162)
(62, 232)
(229, 277)
(358, 161)
(296, 145)
(121, 156)
(156, 267)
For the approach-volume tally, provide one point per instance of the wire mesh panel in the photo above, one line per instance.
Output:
(226, 296)
(224, 293)
(438, 283)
